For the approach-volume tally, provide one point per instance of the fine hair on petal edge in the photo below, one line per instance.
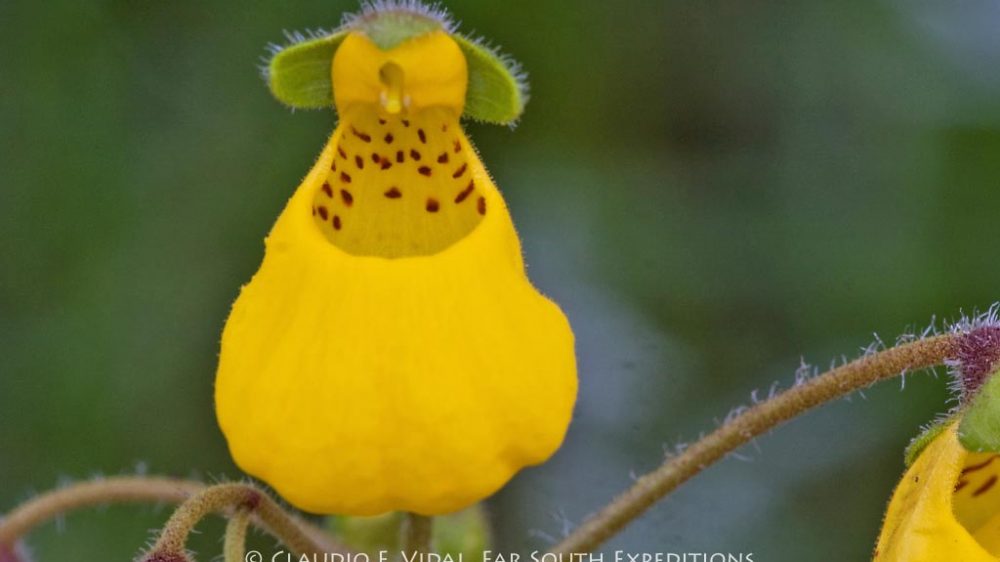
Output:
(372, 8)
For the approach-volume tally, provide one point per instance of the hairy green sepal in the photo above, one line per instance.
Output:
(980, 428)
(391, 28)
(495, 94)
(920, 442)
(299, 76)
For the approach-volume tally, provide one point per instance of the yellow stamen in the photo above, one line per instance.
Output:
(392, 97)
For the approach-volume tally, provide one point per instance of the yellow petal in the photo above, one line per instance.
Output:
(389, 355)
(400, 186)
(931, 512)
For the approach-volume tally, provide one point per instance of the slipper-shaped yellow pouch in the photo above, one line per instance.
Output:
(390, 353)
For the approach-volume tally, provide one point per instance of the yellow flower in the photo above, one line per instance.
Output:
(946, 508)
(390, 353)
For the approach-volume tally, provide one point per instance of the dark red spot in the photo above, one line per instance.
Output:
(375, 157)
(381, 121)
(386, 164)
(444, 127)
(458, 146)
(393, 193)
(344, 177)
(327, 190)
(432, 205)
(340, 151)
(336, 222)
(481, 205)
(465, 192)
(252, 500)
(363, 136)
(314, 211)
(986, 486)
(414, 154)
(461, 170)
(406, 123)
(424, 171)
(961, 484)
(443, 159)
(333, 166)
(359, 162)
(423, 137)
(400, 156)
(388, 138)
(323, 213)
(346, 197)
(979, 466)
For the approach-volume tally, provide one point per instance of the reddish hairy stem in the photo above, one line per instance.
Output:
(758, 419)
(124, 490)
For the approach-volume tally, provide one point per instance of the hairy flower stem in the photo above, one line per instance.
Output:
(417, 533)
(758, 419)
(50, 505)
(126, 489)
(235, 547)
(223, 498)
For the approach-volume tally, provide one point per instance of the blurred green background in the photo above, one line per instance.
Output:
(713, 191)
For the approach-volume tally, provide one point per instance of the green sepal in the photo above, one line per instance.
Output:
(391, 28)
(497, 92)
(368, 534)
(920, 442)
(979, 431)
(466, 533)
(299, 74)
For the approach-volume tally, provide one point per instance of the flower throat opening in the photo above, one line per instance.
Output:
(400, 184)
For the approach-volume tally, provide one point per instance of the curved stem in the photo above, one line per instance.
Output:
(119, 490)
(50, 505)
(222, 498)
(758, 419)
(235, 547)
(417, 531)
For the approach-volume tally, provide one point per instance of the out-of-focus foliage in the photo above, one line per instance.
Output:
(711, 189)
(465, 533)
